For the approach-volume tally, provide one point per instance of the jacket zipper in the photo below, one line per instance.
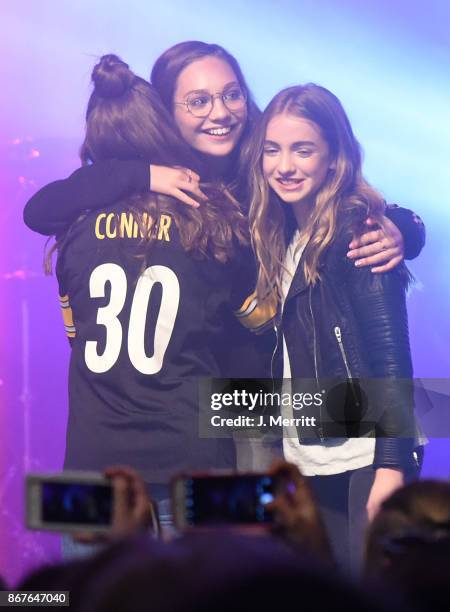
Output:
(276, 328)
(338, 334)
(316, 369)
(314, 338)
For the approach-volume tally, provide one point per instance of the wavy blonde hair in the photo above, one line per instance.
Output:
(272, 222)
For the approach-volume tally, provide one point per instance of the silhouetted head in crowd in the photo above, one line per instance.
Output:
(218, 571)
(85, 578)
(408, 543)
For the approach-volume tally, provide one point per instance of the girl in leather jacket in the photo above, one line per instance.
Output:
(335, 320)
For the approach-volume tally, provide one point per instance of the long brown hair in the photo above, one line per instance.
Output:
(125, 119)
(271, 222)
(164, 76)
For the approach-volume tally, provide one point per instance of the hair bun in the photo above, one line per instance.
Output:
(112, 76)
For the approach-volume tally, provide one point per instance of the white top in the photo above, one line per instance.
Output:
(331, 456)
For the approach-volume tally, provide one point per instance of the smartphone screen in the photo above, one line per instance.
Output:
(215, 500)
(69, 501)
(76, 503)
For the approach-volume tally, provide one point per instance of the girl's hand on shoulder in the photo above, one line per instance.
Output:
(387, 480)
(382, 247)
(178, 183)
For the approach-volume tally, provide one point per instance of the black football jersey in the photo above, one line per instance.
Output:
(143, 331)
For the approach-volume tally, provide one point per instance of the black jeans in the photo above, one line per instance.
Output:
(342, 500)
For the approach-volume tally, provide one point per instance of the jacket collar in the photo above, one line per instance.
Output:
(298, 284)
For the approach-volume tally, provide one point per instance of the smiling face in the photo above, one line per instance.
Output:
(218, 133)
(296, 159)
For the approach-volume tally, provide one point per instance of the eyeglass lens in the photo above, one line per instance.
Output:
(201, 104)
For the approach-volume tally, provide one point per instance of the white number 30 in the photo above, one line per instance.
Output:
(108, 316)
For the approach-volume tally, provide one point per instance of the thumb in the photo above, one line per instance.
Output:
(120, 502)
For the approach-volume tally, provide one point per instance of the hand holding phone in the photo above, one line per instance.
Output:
(296, 515)
(133, 510)
(93, 507)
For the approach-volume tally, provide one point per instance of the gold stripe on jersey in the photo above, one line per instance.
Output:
(123, 224)
(67, 316)
(255, 316)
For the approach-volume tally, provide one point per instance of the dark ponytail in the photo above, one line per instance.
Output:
(112, 77)
(125, 119)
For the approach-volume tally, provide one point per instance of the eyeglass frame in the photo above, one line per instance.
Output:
(211, 101)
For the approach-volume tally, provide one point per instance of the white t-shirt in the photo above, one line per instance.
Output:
(331, 456)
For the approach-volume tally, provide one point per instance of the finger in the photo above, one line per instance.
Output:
(289, 480)
(191, 186)
(120, 470)
(282, 468)
(281, 510)
(388, 266)
(88, 538)
(188, 172)
(202, 194)
(141, 500)
(188, 180)
(196, 191)
(379, 258)
(134, 482)
(366, 238)
(183, 197)
(121, 500)
(371, 510)
(366, 251)
(278, 464)
(392, 235)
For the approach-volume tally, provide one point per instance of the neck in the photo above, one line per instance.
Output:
(302, 212)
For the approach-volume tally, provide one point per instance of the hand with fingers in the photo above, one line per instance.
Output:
(178, 183)
(297, 517)
(133, 510)
(387, 480)
(382, 247)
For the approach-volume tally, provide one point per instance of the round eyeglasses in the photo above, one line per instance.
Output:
(201, 104)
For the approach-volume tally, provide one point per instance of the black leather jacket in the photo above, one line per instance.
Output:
(351, 327)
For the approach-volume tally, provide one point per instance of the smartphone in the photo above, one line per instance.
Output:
(69, 501)
(204, 500)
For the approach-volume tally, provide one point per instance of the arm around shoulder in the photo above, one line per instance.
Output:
(411, 226)
(54, 207)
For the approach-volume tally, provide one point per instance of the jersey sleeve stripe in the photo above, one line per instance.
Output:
(67, 316)
(255, 316)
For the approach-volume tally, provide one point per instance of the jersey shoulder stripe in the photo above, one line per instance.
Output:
(67, 316)
(256, 316)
